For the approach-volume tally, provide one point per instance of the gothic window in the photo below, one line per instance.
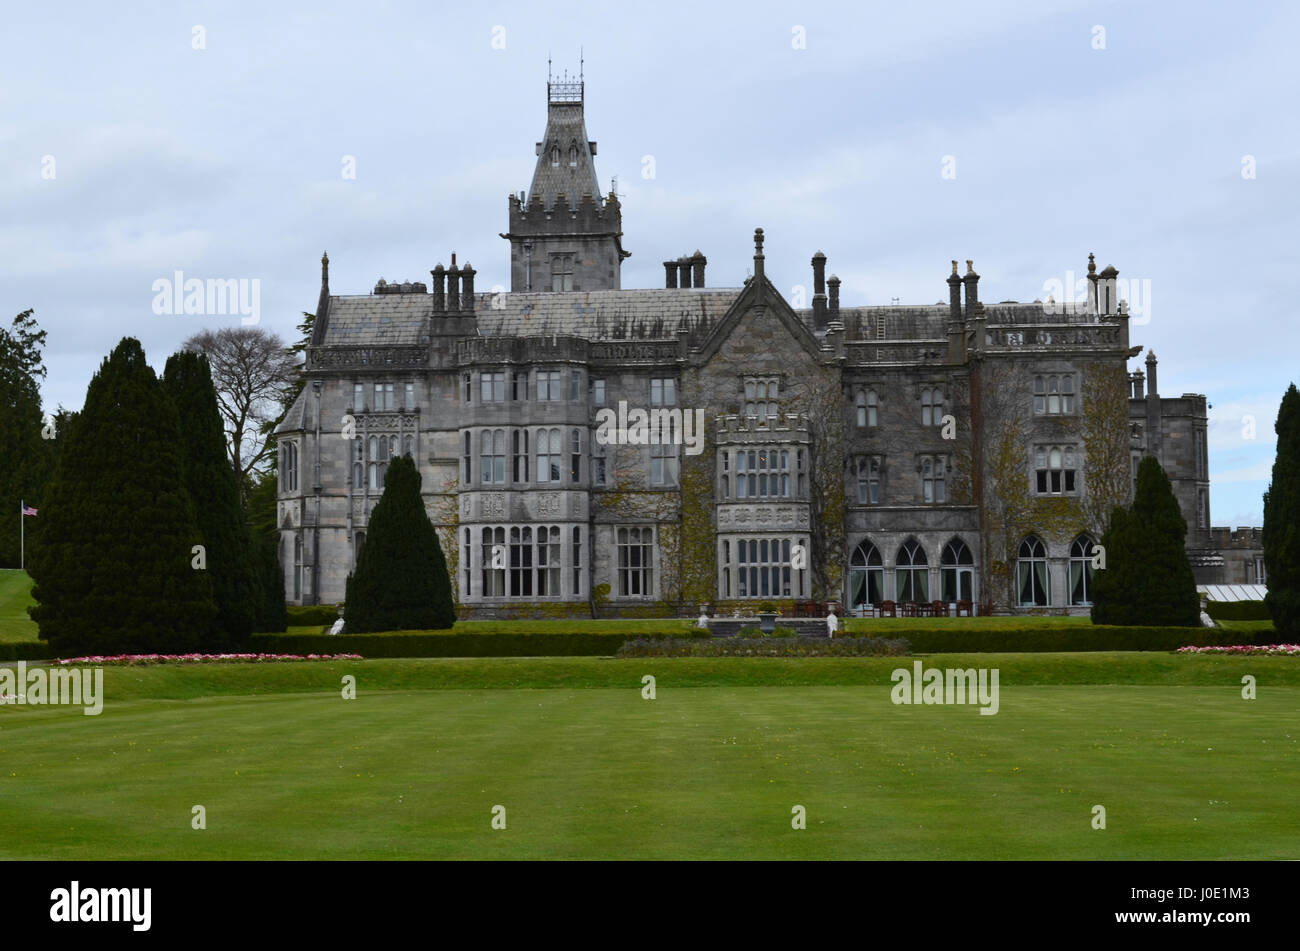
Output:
(555, 156)
(933, 486)
(492, 457)
(550, 450)
(492, 557)
(1054, 470)
(380, 450)
(548, 385)
(763, 567)
(288, 467)
(724, 479)
(1081, 571)
(492, 387)
(911, 573)
(956, 572)
(561, 272)
(763, 473)
(932, 407)
(519, 450)
(577, 561)
(468, 456)
(359, 464)
(1054, 394)
(573, 155)
(868, 480)
(867, 405)
(635, 562)
(548, 561)
(761, 397)
(1033, 577)
(866, 575)
(521, 562)
(468, 568)
(575, 455)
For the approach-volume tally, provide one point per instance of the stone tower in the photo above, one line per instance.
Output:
(563, 235)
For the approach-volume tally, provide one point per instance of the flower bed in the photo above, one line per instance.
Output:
(1288, 649)
(765, 647)
(148, 659)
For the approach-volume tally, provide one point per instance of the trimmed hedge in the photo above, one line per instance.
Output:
(26, 650)
(311, 615)
(1098, 637)
(451, 643)
(1238, 610)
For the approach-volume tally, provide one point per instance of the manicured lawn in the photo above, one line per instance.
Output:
(586, 768)
(15, 596)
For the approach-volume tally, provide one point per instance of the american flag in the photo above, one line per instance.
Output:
(28, 510)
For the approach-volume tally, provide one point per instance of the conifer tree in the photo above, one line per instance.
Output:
(1281, 536)
(271, 614)
(115, 568)
(213, 487)
(1147, 579)
(27, 457)
(401, 580)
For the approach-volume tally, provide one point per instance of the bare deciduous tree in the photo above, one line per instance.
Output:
(251, 369)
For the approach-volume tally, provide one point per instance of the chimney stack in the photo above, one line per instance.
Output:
(453, 287)
(1108, 291)
(670, 274)
(697, 265)
(1152, 389)
(1092, 287)
(1139, 384)
(833, 283)
(819, 290)
(684, 271)
(972, 282)
(439, 292)
(467, 288)
(954, 293)
(758, 254)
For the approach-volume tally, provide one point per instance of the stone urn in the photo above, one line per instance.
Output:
(767, 621)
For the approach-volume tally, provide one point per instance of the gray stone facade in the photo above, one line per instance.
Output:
(952, 452)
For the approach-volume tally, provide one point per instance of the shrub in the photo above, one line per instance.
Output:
(452, 644)
(1074, 638)
(312, 615)
(779, 631)
(401, 580)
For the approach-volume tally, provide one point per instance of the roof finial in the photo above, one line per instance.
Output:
(325, 268)
(580, 64)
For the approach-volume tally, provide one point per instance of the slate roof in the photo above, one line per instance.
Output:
(565, 127)
(400, 319)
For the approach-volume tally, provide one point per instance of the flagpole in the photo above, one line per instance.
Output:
(22, 537)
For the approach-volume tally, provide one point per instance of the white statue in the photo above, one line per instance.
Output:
(337, 627)
(703, 620)
(832, 624)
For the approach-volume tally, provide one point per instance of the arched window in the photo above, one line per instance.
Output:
(957, 572)
(867, 405)
(380, 451)
(573, 155)
(1033, 577)
(555, 156)
(550, 450)
(866, 576)
(860, 401)
(911, 573)
(1081, 571)
(493, 559)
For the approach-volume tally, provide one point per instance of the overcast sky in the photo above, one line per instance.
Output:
(126, 154)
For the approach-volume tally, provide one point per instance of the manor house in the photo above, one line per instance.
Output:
(945, 454)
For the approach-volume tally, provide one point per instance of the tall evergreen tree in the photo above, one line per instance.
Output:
(213, 487)
(1114, 588)
(271, 613)
(401, 580)
(1282, 522)
(28, 457)
(114, 567)
(1147, 579)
